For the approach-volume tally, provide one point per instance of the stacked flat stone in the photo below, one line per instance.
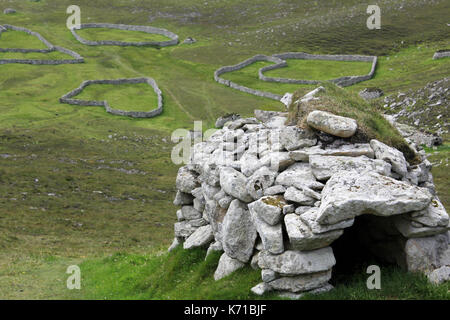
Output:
(276, 197)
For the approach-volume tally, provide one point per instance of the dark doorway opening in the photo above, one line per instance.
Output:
(372, 240)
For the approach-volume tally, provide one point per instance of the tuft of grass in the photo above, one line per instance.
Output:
(185, 274)
(371, 124)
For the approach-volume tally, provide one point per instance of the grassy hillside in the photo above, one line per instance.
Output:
(77, 183)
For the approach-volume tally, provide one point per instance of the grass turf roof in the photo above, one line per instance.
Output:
(371, 123)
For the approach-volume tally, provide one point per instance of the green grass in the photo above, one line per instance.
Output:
(96, 34)
(20, 40)
(128, 97)
(54, 55)
(319, 69)
(184, 274)
(74, 152)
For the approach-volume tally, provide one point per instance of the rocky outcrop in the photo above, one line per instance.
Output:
(277, 198)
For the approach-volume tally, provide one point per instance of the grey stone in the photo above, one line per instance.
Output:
(302, 238)
(332, 124)
(227, 266)
(260, 289)
(439, 275)
(433, 216)
(261, 179)
(426, 254)
(391, 155)
(186, 180)
(296, 296)
(200, 238)
(274, 190)
(302, 209)
(277, 161)
(175, 243)
(310, 217)
(183, 229)
(349, 150)
(271, 236)
(349, 194)
(298, 175)
(269, 208)
(222, 120)
(268, 275)
(299, 197)
(239, 232)
(9, 11)
(291, 263)
(292, 138)
(301, 283)
(189, 213)
(413, 229)
(233, 183)
(323, 167)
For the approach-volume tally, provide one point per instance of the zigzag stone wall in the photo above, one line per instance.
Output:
(67, 98)
(50, 48)
(279, 61)
(147, 29)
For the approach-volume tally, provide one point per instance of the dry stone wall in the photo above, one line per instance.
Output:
(277, 197)
(441, 54)
(68, 98)
(50, 48)
(147, 29)
(279, 61)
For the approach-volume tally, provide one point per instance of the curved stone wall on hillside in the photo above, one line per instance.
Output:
(226, 69)
(441, 54)
(147, 29)
(279, 61)
(67, 98)
(50, 48)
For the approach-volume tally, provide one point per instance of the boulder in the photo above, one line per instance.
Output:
(186, 180)
(413, 229)
(227, 266)
(238, 232)
(295, 195)
(274, 190)
(301, 283)
(260, 289)
(433, 216)
(261, 179)
(190, 213)
(234, 183)
(439, 275)
(391, 155)
(309, 217)
(350, 193)
(298, 175)
(332, 124)
(426, 254)
(277, 161)
(268, 275)
(200, 238)
(291, 263)
(348, 150)
(323, 167)
(265, 116)
(292, 138)
(271, 235)
(302, 238)
(183, 229)
(269, 208)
